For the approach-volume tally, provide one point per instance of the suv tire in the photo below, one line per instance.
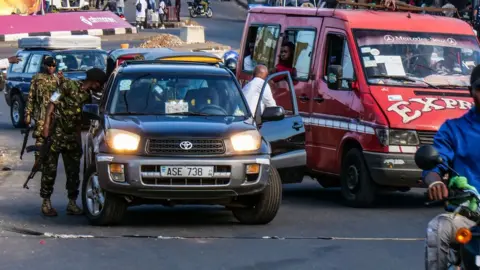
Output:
(357, 186)
(113, 209)
(17, 111)
(265, 205)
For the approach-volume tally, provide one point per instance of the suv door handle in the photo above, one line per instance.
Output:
(319, 99)
(304, 98)
(297, 125)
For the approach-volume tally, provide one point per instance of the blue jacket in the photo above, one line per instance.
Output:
(458, 143)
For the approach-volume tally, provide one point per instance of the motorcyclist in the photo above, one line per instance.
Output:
(455, 141)
(204, 3)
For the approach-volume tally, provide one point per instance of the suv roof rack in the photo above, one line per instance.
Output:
(197, 58)
(400, 6)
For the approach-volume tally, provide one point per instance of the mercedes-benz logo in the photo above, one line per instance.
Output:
(186, 145)
(451, 41)
(388, 38)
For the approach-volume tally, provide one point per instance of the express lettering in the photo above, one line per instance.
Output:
(428, 104)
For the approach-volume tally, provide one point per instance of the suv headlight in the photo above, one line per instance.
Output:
(246, 141)
(398, 137)
(122, 140)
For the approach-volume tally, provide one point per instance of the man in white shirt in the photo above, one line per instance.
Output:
(252, 90)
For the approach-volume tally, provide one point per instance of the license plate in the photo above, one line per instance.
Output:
(477, 260)
(187, 171)
(189, 7)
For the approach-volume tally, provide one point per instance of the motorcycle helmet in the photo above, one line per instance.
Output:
(230, 60)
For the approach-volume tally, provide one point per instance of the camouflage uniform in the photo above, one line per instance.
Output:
(42, 87)
(66, 136)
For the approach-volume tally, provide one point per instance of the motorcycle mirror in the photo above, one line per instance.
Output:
(427, 157)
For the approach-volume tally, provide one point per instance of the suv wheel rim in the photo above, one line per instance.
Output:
(95, 196)
(352, 178)
(16, 111)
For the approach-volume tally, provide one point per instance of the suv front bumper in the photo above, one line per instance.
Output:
(142, 176)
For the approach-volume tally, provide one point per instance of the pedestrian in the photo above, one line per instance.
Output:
(66, 106)
(178, 6)
(98, 3)
(42, 86)
(161, 13)
(121, 7)
(140, 14)
(252, 90)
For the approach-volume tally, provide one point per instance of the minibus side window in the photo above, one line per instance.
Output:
(339, 54)
(260, 47)
(303, 41)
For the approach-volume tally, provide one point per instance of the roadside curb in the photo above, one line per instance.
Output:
(242, 4)
(166, 24)
(91, 32)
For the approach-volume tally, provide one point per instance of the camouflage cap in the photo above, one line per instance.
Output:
(49, 61)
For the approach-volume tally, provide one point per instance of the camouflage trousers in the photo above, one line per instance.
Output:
(71, 154)
(38, 143)
(441, 238)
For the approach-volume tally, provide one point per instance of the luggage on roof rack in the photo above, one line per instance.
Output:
(60, 43)
(400, 6)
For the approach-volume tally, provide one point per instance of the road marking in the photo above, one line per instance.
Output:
(82, 236)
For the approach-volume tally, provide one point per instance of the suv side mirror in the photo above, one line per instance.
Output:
(427, 157)
(334, 78)
(91, 111)
(276, 113)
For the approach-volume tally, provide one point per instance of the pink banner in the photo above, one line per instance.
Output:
(68, 21)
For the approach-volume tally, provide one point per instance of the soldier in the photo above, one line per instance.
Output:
(66, 108)
(42, 86)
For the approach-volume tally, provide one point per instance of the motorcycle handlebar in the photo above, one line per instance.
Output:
(456, 195)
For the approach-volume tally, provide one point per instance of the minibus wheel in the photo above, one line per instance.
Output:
(357, 186)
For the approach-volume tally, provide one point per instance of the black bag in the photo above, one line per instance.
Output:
(139, 7)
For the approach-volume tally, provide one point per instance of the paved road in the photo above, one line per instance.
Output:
(208, 237)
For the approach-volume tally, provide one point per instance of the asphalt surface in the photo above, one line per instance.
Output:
(196, 237)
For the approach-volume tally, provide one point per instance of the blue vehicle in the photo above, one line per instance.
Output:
(73, 62)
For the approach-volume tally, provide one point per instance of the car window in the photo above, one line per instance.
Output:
(81, 61)
(18, 68)
(34, 64)
(338, 53)
(260, 47)
(302, 40)
(174, 93)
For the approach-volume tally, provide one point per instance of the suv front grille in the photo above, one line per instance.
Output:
(151, 176)
(172, 147)
(426, 137)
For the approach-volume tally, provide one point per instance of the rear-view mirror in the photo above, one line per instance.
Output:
(334, 77)
(91, 111)
(276, 113)
(427, 157)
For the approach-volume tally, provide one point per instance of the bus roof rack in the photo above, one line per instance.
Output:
(400, 6)
(60, 43)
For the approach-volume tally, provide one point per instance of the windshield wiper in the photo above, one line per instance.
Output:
(132, 113)
(403, 78)
(191, 113)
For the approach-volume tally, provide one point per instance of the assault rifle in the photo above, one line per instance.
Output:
(44, 150)
(26, 133)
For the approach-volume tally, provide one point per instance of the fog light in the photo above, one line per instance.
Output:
(116, 172)
(253, 169)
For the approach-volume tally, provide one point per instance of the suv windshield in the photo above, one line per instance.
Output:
(71, 61)
(417, 59)
(174, 94)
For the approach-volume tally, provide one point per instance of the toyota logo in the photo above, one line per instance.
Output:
(388, 38)
(186, 145)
